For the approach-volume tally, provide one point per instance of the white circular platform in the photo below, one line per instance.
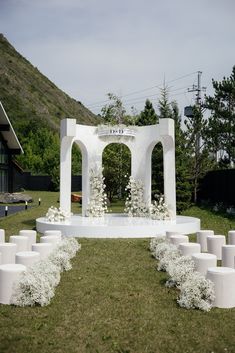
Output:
(118, 226)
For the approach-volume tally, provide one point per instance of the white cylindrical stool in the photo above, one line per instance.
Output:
(32, 236)
(8, 251)
(231, 237)
(203, 261)
(53, 239)
(9, 274)
(2, 236)
(53, 232)
(214, 245)
(20, 241)
(44, 249)
(224, 281)
(177, 239)
(202, 238)
(27, 258)
(228, 253)
(170, 233)
(187, 249)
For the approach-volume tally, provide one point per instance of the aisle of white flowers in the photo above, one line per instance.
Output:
(37, 285)
(195, 291)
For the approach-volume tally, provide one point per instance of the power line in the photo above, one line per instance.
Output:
(141, 98)
(93, 105)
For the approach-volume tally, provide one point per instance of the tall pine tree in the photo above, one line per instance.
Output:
(148, 116)
(220, 132)
(170, 110)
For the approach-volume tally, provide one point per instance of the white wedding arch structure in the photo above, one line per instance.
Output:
(141, 141)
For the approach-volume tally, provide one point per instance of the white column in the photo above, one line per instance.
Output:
(141, 169)
(67, 131)
(169, 173)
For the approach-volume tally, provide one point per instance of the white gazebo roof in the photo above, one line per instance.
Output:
(8, 132)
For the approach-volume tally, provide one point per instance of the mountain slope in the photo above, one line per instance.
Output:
(27, 94)
(35, 107)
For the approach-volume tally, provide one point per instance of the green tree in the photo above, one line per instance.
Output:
(182, 163)
(164, 106)
(117, 165)
(220, 132)
(170, 110)
(199, 154)
(148, 116)
(113, 112)
(116, 157)
(42, 150)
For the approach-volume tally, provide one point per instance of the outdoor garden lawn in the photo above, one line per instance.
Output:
(113, 300)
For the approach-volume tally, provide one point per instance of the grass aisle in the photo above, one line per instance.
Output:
(113, 300)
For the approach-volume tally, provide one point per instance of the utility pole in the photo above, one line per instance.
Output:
(197, 88)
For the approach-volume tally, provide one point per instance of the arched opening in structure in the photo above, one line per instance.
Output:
(157, 181)
(116, 161)
(76, 166)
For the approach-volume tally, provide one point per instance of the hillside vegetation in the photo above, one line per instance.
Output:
(35, 107)
(26, 93)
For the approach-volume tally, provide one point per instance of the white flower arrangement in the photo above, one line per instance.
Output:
(196, 292)
(135, 206)
(162, 248)
(37, 285)
(154, 242)
(97, 205)
(179, 269)
(170, 255)
(159, 209)
(57, 214)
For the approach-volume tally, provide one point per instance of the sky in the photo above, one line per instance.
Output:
(89, 48)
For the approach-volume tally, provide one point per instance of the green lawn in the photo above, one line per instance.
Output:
(113, 300)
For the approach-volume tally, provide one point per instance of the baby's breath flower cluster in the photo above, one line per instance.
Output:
(135, 206)
(196, 292)
(180, 269)
(57, 214)
(155, 241)
(159, 209)
(97, 205)
(37, 285)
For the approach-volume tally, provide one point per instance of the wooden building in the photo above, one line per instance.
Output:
(9, 147)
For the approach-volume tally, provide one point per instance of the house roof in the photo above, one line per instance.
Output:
(8, 133)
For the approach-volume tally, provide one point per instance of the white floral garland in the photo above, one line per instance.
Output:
(196, 292)
(37, 285)
(57, 214)
(97, 205)
(135, 206)
(159, 209)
